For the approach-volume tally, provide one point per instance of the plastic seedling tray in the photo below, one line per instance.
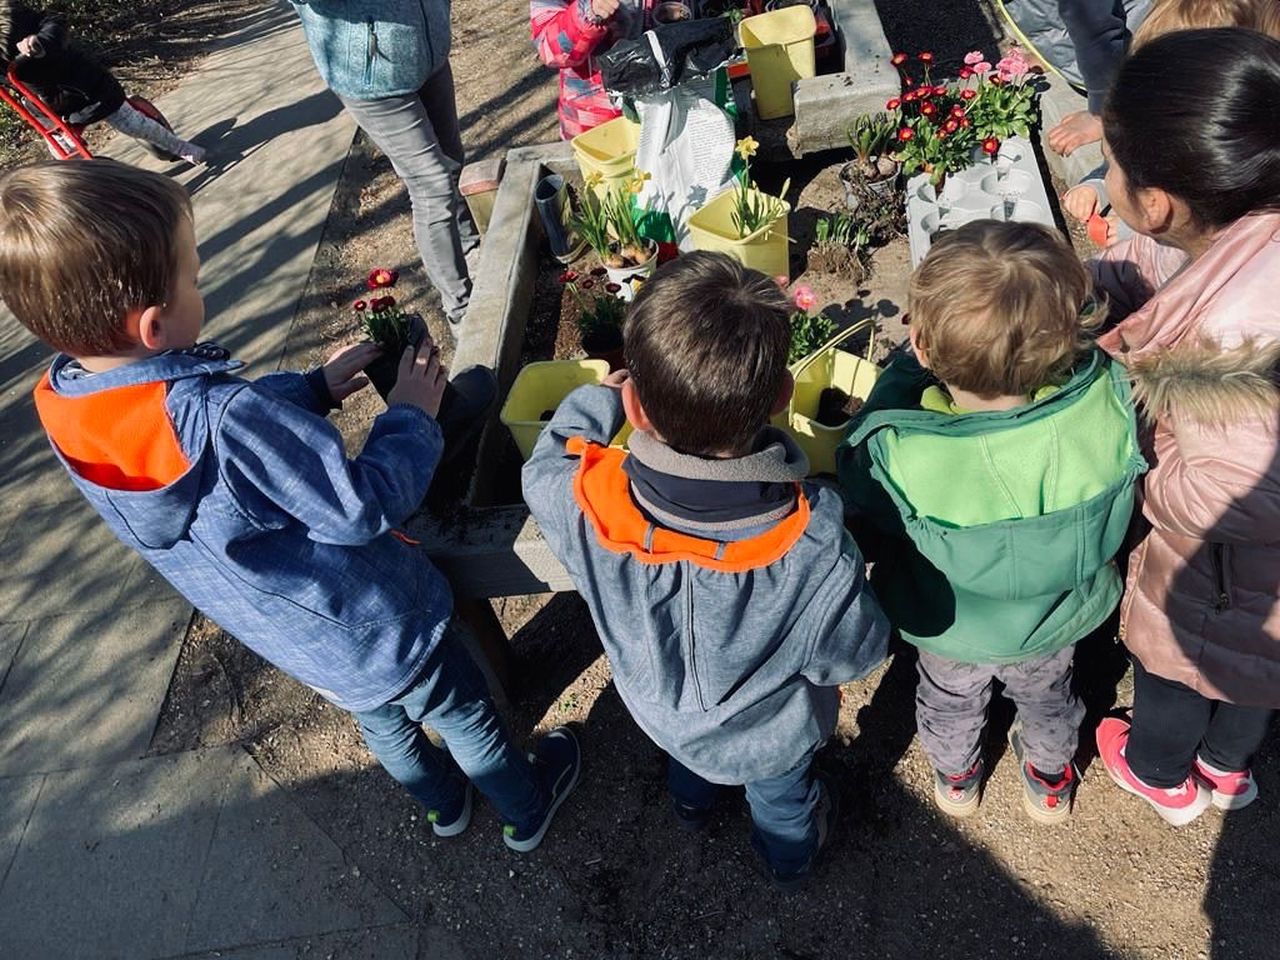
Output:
(1007, 187)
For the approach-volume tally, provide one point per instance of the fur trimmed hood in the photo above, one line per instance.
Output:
(1208, 384)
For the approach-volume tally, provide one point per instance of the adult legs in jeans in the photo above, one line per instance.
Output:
(951, 711)
(783, 826)
(451, 697)
(1048, 711)
(419, 134)
(1172, 724)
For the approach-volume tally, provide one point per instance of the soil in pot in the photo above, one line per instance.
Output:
(836, 408)
(604, 343)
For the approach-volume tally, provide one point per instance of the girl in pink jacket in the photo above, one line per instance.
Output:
(568, 35)
(1192, 130)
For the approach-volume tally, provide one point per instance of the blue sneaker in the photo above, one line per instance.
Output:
(459, 823)
(558, 763)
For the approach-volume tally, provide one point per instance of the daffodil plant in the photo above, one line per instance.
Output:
(753, 208)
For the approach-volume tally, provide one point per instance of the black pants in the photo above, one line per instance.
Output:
(1172, 724)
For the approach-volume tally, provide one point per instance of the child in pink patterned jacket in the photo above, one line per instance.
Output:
(568, 34)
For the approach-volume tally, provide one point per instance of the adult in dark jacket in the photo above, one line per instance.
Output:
(73, 83)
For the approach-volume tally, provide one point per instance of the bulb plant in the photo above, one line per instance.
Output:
(753, 209)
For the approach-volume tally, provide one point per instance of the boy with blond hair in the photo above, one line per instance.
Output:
(729, 598)
(995, 464)
(240, 492)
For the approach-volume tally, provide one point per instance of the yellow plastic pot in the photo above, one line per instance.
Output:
(712, 228)
(541, 386)
(828, 366)
(779, 48)
(610, 150)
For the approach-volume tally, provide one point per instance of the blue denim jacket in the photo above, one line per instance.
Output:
(369, 49)
(271, 531)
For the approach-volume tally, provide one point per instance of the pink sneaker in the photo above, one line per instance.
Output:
(1177, 806)
(1232, 789)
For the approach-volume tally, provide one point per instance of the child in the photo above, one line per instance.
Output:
(999, 463)
(568, 34)
(727, 593)
(1086, 199)
(241, 495)
(1202, 340)
(73, 84)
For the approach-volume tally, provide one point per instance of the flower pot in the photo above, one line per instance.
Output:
(610, 150)
(539, 387)
(384, 369)
(779, 47)
(711, 228)
(604, 343)
(849, 175)
(827, 367)
(671, 11)
(628, 278)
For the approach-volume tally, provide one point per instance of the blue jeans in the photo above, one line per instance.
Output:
(783, 828)
(450, 696)
(419, 134)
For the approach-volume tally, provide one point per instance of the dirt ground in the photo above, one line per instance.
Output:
(616, 878)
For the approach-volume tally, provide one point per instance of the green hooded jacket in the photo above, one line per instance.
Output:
(994, 534)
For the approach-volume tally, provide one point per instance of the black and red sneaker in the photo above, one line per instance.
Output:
(1046, 798)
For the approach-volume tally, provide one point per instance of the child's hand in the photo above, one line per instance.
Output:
(342, 370)
(1081, 202)
(1074, 131)
(616, 379)
(421, 380)
(30, 46)
(604, 9)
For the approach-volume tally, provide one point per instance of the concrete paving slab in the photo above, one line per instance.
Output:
(380, 943)
(61, 558)
(272, 874)
(87, 688)
(112, 858)
(17, 799)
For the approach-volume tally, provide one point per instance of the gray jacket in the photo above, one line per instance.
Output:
(1084, 40)
(726, 648)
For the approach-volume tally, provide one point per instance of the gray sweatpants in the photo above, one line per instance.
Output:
(951, 709)
(419, 134)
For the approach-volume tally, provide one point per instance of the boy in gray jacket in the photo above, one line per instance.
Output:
(727, 593)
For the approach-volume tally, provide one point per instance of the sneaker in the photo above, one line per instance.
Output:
(559, 763)
(689, 818)
(1045, 801)
(1231, 789)
(1177, 806)
(459, 823)
(958, 795)
(825, 814)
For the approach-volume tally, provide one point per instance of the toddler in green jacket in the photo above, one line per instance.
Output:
(993, 468)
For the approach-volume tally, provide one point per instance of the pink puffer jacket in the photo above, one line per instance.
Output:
(1202, 342)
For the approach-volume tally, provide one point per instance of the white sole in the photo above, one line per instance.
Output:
(463, 821)
(1043, 816)
(1175, 818)
(1235, 801)
(530, 844)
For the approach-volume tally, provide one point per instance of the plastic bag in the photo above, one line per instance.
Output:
(685, 51)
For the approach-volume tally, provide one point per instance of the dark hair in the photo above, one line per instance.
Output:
(81, 243)
(706, 344)
(1197, 113)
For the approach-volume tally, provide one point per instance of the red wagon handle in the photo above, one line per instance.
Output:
(56, 124)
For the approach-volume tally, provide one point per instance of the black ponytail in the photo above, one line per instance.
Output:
(1197, 113)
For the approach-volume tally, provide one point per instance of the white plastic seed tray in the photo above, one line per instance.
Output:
(1006, 187)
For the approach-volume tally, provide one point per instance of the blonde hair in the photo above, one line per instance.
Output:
(1001, 309)
(82, 242)
(1166, 16)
